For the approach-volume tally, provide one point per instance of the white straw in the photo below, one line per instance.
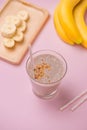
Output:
(79, 103)
(31, 58)
(73, 100)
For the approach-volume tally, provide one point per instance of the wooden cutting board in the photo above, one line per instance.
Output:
(38, 17)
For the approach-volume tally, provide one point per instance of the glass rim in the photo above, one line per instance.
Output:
(46, 53)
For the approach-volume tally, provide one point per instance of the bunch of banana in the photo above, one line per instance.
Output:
(69, 21)
(13, 29)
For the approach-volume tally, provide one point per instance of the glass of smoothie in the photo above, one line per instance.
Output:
(46, 70)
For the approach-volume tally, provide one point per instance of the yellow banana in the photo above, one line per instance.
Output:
(79, 13)
(18, 37)
(8, 42)
(67, 20)
(59, 28)
(23, 15)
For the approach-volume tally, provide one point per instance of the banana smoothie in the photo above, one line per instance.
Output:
(46, 73)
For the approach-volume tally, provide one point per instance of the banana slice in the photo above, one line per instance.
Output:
(23, 27)
(8, 30)
(23, 15)
(14, 20)
(8, 42)
(18, 37)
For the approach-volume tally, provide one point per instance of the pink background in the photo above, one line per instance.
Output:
(20, 109)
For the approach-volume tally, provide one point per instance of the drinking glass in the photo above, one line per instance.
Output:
(51, 89)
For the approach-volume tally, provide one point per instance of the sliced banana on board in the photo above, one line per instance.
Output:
(13, 19)
(23, 27)
(8, 42)
(19, 36)
(23, 15)
(8, 30)
(13, 28)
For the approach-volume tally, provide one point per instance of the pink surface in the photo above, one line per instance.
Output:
(20, 109)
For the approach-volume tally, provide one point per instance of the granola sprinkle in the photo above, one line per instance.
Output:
(39, 70)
